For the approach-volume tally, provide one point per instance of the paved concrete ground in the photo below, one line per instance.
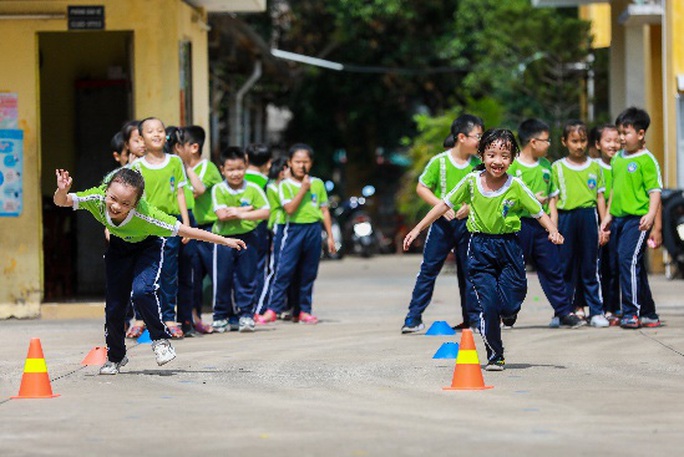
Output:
(353, 386)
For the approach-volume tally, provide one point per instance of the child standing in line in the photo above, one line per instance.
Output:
(135, 146)
(608, 144)
(581, 187)
(208, 176)
(239, 206)
(259, 162)
(633, 208)
(495, 264)
(534, 170)
(133, 257)
(305, 202)
(164, 179)
(448, 233)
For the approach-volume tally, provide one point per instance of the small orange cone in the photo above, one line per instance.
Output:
(467, 372)
(96, 356)
(35, 383)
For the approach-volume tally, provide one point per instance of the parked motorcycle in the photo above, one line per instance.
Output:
(673, 230)
(358, 232)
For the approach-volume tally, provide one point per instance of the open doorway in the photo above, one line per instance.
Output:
(85, 97)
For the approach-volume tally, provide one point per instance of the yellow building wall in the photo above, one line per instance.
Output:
(156, 92)
(674, 62)
(599, 15)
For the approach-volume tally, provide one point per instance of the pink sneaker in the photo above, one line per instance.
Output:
(267, 318)
(306, 318)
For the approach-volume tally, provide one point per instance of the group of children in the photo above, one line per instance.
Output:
(172, 218)
(594, 221)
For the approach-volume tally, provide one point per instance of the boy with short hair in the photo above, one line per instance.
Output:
(532, 167)
(259, 163)
(632, 210)
(239, 206)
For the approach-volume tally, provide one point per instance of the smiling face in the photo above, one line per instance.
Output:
(630, 138)
(135, 146)
(120, 199)
(576, 143)
(497, 157)
(153, 135)
(234, 172)
(609, 143)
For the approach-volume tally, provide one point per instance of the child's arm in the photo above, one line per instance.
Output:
(253, 214)
(198, 187)
(429, 197)
(553, 210)
(291, 206)
(655, 239)
(601, 205)
(435, 213)
(327, 224)
(554, 235)
(646, 222)
(203, 235)
(183, 205)
(231, 213)
(64, 182)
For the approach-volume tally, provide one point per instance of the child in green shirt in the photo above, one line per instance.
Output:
(495, 264)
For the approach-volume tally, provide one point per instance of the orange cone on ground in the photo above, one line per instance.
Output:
(467, 372)
(35, 383)
(96, 356)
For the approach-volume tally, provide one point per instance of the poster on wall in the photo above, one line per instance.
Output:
(8, 110)
(11, 172)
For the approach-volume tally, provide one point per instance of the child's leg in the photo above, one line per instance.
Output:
(205, 259)
(287, 263)
(262, 243)
(482, 272)
(119, 271)
(631, 247)
(545, 256)
(244, 278)
(512, 281)
(276, 244)
(224, 263)
(187, 276)
(611, 277)
(145, 295)
(469, 307)
(169, 278)
(648, 307)
(438, 243)
(308, 264)
(588, 253)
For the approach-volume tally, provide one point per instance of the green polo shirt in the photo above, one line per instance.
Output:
(277, 214)
(224, 196)
(494, 213)
(578, 185)
(537, 177)
(635, 176)
(309, 211)
(442, 173)
(142, 221)
(163, 182)
(257, 178)
(210, 175)
(607, 177)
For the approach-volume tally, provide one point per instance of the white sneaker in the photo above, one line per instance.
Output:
(599, 321)
(112, 368)
(246, 324)
(163, 351)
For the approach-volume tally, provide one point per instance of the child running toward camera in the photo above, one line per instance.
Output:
(495, 263)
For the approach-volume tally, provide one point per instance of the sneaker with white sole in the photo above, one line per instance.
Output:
(246, 324)
(498, 364)
(599, 321)
(650, 322)
(112, 368)
(163, 351)
(412, 327)
(555, 322)
(220, 325)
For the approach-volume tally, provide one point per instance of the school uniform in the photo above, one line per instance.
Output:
(300, 248)
(578, 222)
(608, 264)
(132, 266)
(188, 265)
(234, 281)
(534, 240)
(635, 176)
(162, 183)
(440, 175)
(495, 264)
(263, 240)
(205, 216)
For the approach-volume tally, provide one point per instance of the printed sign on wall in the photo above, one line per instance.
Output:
(8, 110)
(11, 172)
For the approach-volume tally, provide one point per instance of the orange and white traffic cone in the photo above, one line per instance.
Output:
(467, 372)
(35, 383)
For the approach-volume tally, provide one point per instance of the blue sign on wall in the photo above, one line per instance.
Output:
(11, 172)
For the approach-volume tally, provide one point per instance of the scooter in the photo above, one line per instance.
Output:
(359, 234)
(673, 231)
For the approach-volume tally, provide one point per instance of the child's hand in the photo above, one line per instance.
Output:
(542, 197)
(64, 181)
(306, 183)
(556, 238)
(449, 215)
(646, 222)
(331, 245)
(234, 243)
(462, 212)
(410, 237)
(604, 237)
(655, 240)
(605, 225)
